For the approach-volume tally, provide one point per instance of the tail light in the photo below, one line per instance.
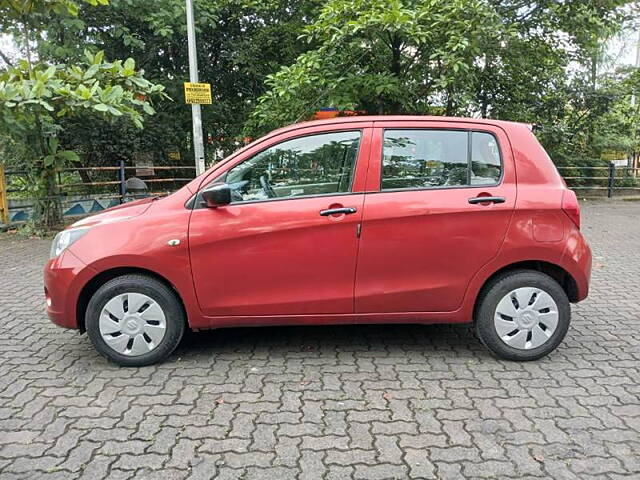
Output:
(571, 207)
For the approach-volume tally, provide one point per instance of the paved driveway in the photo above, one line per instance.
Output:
(363, 402)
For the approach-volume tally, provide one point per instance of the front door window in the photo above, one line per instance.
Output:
(307, 166)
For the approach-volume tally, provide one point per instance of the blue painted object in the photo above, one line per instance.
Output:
(77, 209)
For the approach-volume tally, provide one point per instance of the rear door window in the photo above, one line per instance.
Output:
(430, 158)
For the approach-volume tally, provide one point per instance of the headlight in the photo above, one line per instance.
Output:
(66, 238)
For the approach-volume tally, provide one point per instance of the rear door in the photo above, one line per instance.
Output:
(426, 228)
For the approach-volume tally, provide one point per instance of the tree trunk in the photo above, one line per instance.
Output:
(84, 174)
(594, 69)
(450, 106)
(484, 106)
(48, 209)
(484, 93)
(48, 206)
(394, 106)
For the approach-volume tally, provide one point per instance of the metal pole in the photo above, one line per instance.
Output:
(4, 203)
(633, 96)
(196, 116)
(123, 184)
(612, 179)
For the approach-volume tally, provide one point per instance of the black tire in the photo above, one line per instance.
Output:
(496, 289)
(164, 296)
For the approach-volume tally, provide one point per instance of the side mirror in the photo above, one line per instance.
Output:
(217, 195)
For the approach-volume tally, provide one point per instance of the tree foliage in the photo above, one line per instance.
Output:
(108, 88)
(504, 58)
(239, 43)
(382, 57)
(36, 94)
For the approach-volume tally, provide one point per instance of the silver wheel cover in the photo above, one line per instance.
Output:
(132, 324)
(526, 318)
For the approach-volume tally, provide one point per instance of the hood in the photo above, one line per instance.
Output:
(117, 213)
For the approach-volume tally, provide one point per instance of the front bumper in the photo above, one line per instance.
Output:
(64, 277)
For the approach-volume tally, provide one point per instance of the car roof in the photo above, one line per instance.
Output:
(391, 118)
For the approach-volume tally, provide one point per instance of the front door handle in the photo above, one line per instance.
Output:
(475, 200)
(338, 211)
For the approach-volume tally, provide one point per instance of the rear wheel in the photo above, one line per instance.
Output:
(135, 320)
(522, 315)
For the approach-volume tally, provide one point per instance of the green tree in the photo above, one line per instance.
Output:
(500, 58)
(35, 95)
(240, 42)
(381, 57)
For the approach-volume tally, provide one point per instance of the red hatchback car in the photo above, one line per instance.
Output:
(351, 220)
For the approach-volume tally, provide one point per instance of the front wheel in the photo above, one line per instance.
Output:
(135, 320)
(522, 315)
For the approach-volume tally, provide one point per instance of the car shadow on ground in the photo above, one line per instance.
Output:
(328, 340)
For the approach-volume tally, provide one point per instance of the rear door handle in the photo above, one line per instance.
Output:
(475, 200)
(338, 211)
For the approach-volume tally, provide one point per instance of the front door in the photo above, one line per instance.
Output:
(287, 244)
(426, 230)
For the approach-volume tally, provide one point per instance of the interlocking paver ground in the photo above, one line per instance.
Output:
(352, 402)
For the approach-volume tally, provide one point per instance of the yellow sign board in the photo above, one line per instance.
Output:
(613, 155)
(197, 93)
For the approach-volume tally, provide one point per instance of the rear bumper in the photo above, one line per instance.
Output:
(64, 277)
(577, 260)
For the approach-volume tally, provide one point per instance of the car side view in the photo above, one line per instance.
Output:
(396, 219)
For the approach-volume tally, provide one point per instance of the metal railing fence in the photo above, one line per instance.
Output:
(610, 178)
(106, 187)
